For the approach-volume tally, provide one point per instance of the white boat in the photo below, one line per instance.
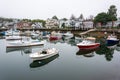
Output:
(55, 36)
(24, 44)
(44, 54)
(68, 34)
(35, 35)
(13, 37)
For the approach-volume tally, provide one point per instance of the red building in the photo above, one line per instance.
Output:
(24, 25)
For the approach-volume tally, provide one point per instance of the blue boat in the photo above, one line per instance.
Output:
(2, 33)
(112, 40)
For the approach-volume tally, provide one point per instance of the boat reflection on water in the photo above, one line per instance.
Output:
(2, 37)
(87, 53)
(108, 51)
(118, 47)
(109, 54)
(26, 50)
(56, 41)
(72, 41)
(112, 46)
(39, 63)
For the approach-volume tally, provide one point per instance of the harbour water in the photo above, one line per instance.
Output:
(70, 64)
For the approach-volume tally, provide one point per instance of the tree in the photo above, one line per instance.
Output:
(65, 19)
(112, 10)
(55, 17)
(112, 15)
(81, 16)
(102, 18)
(26, 20)
(72, 17)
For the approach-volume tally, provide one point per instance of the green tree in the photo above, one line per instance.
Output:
(26, 20)
(112, 11)
(112, 15)
(38, 20)
(102, 18)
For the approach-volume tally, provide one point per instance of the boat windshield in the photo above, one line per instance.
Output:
(44, 52)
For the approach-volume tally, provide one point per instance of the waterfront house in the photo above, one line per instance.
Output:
(52, 23)
(76, 23)
(115, 23)
(24, 25)
(8, 25)
(88, 24)
(37, 25)
(71, 23)
(109, 24)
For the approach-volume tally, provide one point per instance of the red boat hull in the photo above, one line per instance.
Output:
(96, 45)
(54, 38)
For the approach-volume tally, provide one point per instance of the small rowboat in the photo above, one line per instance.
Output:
(18, 44)
(44, 54)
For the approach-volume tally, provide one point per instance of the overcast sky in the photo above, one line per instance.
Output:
(43, 9)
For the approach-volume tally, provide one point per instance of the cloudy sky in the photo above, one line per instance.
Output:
(43, 9)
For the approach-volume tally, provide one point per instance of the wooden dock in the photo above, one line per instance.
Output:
(88, 31)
